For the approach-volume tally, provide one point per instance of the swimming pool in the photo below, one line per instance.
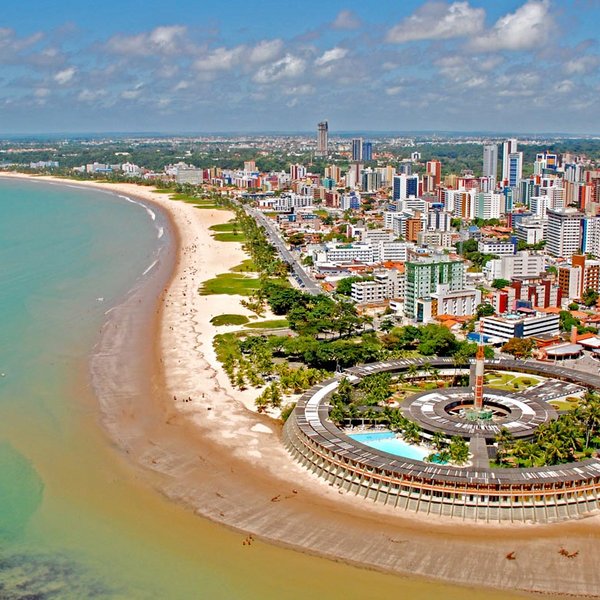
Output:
(386, 441)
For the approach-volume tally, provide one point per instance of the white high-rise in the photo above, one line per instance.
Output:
(489, 205)
(564, 232)
(490, 161)
(512, 163)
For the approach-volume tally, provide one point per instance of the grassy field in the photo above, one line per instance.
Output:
(228, 227)
(564, 405)
(228, 319)
(245, 267)
(269, 324)
(508, 382)
(230, 283)
(230, 237)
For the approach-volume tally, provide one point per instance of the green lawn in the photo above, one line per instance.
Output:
(230, 283)
(225, 227)
(247, 266)
(272, 324)
(562, 405)
(230, 237)
(228, 319)
(508, 382)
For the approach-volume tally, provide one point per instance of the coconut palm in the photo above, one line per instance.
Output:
(438, 441)
(411, 432)
(459, 450)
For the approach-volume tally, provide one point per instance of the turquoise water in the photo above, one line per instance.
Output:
(77, 520)
(386, 441)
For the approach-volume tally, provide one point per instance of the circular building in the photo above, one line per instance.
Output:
(476, 491)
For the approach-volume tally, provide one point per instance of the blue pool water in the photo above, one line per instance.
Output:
(386, 441)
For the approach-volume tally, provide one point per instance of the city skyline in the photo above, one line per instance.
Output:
(525, 66)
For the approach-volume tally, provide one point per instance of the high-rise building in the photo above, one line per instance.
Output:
(357, 149)
(512, 163)
(423, 276)
(297, 172)
(564, 232)
(322, 139)
(405, 186)
(367, 151)
(490, 161)
(508, 147)
(489, 205)
(434, 169)
(591, 236)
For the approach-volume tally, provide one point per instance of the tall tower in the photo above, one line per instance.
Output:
(490, 161)
(479, 369)
(322, 138)
(357, 149)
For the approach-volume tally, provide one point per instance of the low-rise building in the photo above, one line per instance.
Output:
(456, 303)
(521, 325)
(497, 247)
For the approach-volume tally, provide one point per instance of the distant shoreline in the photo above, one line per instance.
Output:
(228, 464)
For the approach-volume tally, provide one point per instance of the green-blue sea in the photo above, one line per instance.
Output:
(77, 520)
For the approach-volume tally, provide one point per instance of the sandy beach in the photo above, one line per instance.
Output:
(227, 462)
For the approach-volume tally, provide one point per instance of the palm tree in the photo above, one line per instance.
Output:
(459, 450)
(438, 441)
(412, 432)
(412, 370)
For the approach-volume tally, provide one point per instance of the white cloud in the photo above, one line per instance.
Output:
(225, 59)
(346, 20)
(331, 55)
(299, 90)
(438, 21)
(528, 27)
(163, 41)
(87, 95)
(582, 65)
(287, 67)
(220, 59)
(63, 77)
(265, 51)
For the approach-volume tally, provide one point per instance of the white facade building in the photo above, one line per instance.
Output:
(521, 264)
(520, 326)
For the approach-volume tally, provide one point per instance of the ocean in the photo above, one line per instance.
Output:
(77, 519)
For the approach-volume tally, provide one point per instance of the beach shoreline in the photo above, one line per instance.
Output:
(228, 464)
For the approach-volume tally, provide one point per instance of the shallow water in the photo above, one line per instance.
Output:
(76, 519)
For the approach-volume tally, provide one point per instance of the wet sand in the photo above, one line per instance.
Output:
(228, 464)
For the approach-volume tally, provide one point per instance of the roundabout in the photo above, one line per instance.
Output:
(481, 490)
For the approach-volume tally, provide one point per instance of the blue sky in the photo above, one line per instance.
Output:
(191, 66)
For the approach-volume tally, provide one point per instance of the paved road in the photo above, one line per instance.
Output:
(306, 283)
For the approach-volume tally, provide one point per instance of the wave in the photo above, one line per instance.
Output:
(161, 232)
(150, 267)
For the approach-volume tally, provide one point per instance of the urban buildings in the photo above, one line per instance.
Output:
(424, 275)
(490, 161)
(529, 324)
(564, 232)
(322, 139)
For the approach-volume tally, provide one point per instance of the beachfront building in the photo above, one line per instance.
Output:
(477, 491)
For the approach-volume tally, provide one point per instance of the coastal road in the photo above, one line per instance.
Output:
(307, 284)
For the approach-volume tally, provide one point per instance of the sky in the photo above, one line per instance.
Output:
(204, 66)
